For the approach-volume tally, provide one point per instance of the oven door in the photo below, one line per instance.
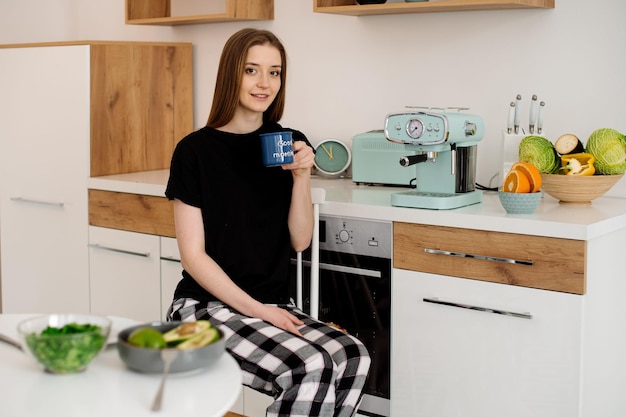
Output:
(355, 294)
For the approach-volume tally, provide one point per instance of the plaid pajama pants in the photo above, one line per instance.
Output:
(320, 374)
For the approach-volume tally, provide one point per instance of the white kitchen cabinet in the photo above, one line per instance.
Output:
(124, 274)
(132, 274)
(68, 111)
(255, 403)
(251, 403)
(171, 272)
(44, 165)
(565, 361)
(449, 361)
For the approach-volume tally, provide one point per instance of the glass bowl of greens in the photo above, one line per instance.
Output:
(64, 343)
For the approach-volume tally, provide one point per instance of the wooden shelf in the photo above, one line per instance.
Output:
(351, 8)
(158, 12)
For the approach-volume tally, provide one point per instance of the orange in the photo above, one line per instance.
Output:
(532, 174)
(516, 182)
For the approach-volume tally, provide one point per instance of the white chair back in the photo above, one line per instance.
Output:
(318, 196)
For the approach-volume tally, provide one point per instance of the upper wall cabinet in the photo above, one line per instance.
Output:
(141, 104)
(140, 99)
(159, 12)
(351, 8)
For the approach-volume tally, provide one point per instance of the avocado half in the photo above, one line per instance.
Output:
(186, 331)
(205, 338)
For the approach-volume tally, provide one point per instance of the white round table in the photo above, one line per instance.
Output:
(107, 388)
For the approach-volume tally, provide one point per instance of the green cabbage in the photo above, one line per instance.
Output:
(540, 152)
(608, 146)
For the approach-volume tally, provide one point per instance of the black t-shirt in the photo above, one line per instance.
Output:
(244, 207)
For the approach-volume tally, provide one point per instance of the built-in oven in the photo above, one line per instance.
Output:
(355, 294)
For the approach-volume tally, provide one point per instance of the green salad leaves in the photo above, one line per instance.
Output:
(66, 349)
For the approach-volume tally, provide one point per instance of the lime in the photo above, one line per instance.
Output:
(147, 337)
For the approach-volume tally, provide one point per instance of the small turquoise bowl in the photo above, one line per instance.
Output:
(519, 203)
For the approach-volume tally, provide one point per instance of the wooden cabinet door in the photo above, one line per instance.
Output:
(44, 166)
(124, 274)
(452, 361)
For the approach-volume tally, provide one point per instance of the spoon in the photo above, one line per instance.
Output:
(10, 341)
(167, 356)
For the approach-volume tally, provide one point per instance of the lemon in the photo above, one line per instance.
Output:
(147, 337)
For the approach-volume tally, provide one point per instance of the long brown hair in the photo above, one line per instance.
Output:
(231, 69)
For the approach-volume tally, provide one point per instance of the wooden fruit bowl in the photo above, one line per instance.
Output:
(577, 189)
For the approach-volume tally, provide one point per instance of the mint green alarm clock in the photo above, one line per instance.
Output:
(332, 157)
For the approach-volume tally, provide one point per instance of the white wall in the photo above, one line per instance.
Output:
(346, 73)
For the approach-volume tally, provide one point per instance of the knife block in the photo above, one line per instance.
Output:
(510, 150)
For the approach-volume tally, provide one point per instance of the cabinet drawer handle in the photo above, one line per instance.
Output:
(481, 257)
(483, 309)
(127, 252)
(33, 201)
(170, 258)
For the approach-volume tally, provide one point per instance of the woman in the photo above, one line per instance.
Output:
(236, 222)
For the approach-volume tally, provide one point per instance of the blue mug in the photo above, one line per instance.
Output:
(277, 148)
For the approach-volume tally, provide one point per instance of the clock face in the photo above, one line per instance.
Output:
(332, 157)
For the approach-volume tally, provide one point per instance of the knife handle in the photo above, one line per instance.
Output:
(532, 117)
(517, 113)
(511, 118)
(540, 117)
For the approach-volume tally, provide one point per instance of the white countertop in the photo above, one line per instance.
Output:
(344, 198)
(145, 182)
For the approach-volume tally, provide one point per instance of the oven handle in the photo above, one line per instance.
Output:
(345, 269)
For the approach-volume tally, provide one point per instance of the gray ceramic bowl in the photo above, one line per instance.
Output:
(149, 360)
(519, 203)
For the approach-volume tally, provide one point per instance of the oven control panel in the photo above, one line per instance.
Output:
(358, 236)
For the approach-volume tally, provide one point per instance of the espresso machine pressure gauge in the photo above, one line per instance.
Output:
(414, 128)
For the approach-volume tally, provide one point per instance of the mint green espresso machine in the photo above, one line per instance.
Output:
(441, 148)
